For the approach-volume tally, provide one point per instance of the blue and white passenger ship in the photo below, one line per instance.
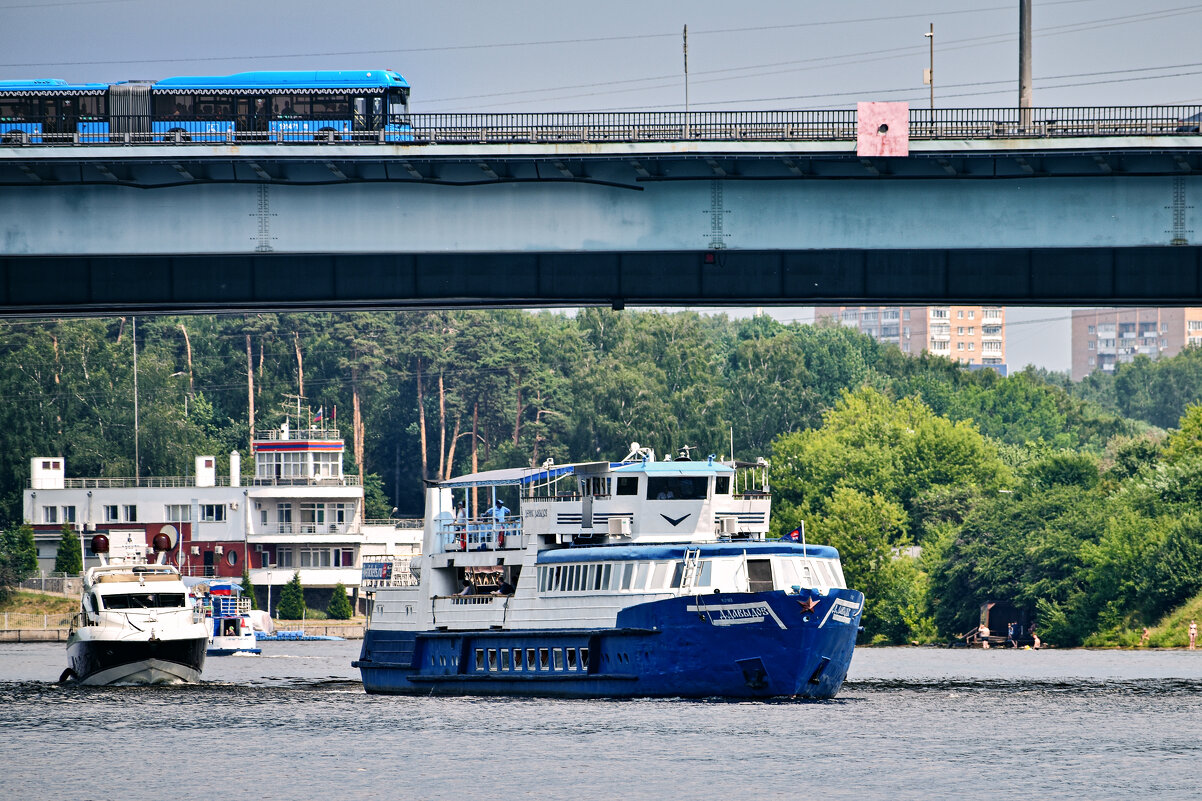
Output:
(614, 579)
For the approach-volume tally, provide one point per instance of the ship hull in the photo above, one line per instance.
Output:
(103, 662)
(730, 645)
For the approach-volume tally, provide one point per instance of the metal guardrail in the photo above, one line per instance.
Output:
(670, 126)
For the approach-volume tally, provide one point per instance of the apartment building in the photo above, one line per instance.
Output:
(972, 335)
(1105, 338)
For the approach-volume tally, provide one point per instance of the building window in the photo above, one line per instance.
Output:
(972, 314)
(960, 314)
(959, 346)
(960, 330)
(972, 330)
(212, 512)
(129, 513)
(49, 514)
(1091, 344)
(283, 557)
(176, 512)
(1092, 330)
(906, 315)
(1092, 361)
(972, 346)
(110, 513)
(68, 514)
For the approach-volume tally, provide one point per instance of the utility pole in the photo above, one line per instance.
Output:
(137, 454)
(929, 78)
(1024, 63)
(686, 81)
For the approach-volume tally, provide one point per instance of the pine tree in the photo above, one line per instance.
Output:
(340, 605)
(292, 600)
(68, 560)
(248, 589)
(18, 558)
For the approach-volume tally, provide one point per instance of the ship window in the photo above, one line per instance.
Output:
(640, 579)
(703, 574)
(479, 659)
(659, 576)
(517, 658)
(678, 488)
(558, 654)
(677, 575)
(627, 575)
(722, 485)
(628, 485)
(605, 577)
(492, 659)
(529, 659)
(590, 572)
(543, 659)
(584, 659)
(571, 659)
(577, 577)
(504, 659)
(759, 575)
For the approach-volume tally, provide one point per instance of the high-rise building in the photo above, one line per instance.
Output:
(974, 335)
(1104, 338)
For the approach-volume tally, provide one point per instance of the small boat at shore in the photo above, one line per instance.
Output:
(636, 578)
(136, 623)
(228, 619)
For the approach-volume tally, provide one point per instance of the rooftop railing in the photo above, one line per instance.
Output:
(602, 127)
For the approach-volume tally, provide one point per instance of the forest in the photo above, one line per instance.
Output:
(941, 487)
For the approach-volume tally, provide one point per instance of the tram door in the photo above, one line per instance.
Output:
(252, 113)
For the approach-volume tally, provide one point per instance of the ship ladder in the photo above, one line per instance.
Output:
(691, 566)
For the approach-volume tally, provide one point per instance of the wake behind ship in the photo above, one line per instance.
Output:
(635, 578)
(136, 624)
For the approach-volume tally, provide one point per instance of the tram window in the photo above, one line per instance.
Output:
(479, 659)
(627, 575)
(396, 104)
(703, 574)
(640, 579)
(628, 485)
(677, 575)
(529, 659)
(571, 659)
(14, 110)
(722, 485)
(543, 659)
(214, 107)
(290, 106)
(331, 107)
(90, 106)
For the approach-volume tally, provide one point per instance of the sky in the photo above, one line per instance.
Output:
(624, 55)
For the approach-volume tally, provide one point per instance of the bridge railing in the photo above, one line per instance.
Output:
(603, 127)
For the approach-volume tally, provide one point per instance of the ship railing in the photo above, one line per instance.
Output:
(481, 535)
(316, 433)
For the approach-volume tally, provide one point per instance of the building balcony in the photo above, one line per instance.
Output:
(305, 481)
(318, 433)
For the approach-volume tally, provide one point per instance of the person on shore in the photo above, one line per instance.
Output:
(1193, 635)
(1143, 640)
(1012, 634)
(1035, 643)
(983, 635)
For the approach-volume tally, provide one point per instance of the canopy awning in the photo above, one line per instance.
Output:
(512, 475)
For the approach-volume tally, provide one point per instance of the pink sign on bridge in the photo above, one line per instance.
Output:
(882, 129)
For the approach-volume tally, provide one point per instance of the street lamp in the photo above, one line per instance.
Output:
(929, 77)
(270, 566)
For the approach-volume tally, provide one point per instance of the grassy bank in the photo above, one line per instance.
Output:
(1172, 631)
(27, 602)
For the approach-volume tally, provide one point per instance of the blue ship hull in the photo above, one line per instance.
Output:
(732, 645)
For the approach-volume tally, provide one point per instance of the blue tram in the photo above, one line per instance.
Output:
(265, 106)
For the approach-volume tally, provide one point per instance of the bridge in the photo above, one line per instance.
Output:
(1046, 206)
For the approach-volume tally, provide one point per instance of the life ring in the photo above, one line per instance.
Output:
(501, 538)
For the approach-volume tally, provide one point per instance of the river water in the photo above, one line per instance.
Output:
(916, 723)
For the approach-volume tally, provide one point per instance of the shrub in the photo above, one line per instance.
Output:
(340, 605)
(292, 600)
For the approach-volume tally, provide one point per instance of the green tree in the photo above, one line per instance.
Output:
(248, 588)
(18, 558)
(68, 559)
(292, 600)
(340, 605)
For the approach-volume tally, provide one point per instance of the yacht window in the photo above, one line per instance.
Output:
(558, 653)
(722, 485)
(659, 576)
(571, 659)
(143, 600)
(640, 579)
(628, 485)
(703, 573)
(543, 659)
(627, 574)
